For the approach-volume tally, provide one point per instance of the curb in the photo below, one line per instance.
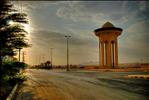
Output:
(11, 95)
(138, 76)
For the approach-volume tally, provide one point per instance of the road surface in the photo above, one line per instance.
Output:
(82, 85)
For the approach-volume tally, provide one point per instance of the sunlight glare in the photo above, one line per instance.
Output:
(27, 28)
(10, 22)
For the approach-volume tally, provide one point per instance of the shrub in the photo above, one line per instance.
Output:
(12, 73)
(11, 70)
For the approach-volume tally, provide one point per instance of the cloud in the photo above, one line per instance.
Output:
(138, 30)
(57, 38)
(102, 11)
(76, 11)
(95, 11)
(136, 42)
(33, 5)
(139, 27)
(53, 20)
(138, 11)
(81, 50)
(143, 5)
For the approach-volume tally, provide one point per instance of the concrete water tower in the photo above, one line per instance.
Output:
(108, 45)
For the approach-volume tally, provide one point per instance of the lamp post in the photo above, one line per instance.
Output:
(51, 56)
(67, 38)
(19, 53)
(23, 56)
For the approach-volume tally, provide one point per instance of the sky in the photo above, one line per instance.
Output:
(50, 21)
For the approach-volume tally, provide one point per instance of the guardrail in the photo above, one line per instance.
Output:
(11, 95)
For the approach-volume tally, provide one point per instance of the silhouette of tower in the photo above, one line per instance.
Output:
(108, 44)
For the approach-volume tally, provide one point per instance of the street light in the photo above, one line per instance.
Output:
(51, 56)
(23, 56)
(67, 38)
(19, 53)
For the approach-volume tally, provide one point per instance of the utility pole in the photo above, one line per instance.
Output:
(51, 53)
(19, 53)
(23, 56)
(67, 38)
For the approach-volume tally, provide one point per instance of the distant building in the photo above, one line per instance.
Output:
(108, 45)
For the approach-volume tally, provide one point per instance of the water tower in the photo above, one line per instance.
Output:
(108, 44)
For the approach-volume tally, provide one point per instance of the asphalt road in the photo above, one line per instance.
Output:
(82, 85)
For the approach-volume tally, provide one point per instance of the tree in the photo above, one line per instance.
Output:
(12, 36)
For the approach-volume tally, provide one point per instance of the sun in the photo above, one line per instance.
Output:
(27, 28)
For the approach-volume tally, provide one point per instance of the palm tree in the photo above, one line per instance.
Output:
(12, 36)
